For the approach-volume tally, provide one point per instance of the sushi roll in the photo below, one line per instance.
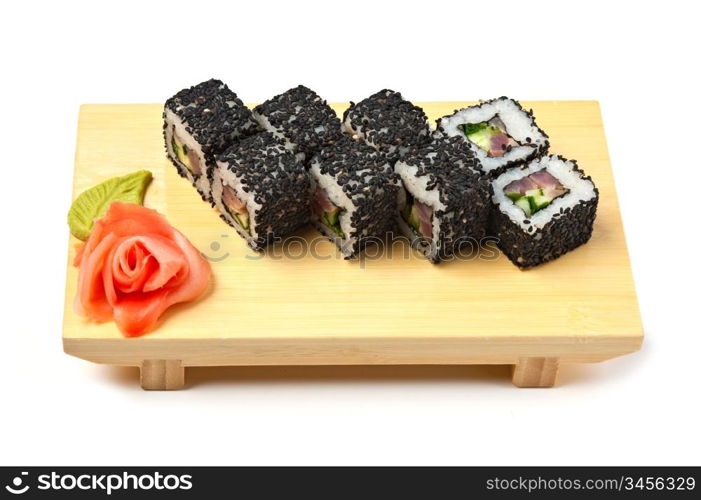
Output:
(261, 189)
(542, 210)
(388, 123)
(355, 195)
(444, 203)
(500, 133)
(200, 122)
(302, 118)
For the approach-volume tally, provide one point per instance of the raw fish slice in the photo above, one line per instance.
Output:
(520, 186)
(500, 143)
(232, 201)
(321, 202)
(425, 215)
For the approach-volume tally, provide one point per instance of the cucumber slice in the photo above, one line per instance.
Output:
(472, 128)
(534, 192)
(332, 217)
(180, 151)
(406, 211)
(541, 202)
(514, 196)
(482, 138)
(524, 205)
(338, 232)
(243, 220)
(414, 218)
(531, 203)
(175, 147)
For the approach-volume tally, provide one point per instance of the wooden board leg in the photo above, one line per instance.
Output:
(535, 372)
(162, 375)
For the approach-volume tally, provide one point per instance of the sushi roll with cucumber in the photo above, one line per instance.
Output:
(355, 195)
(302, 118)
(387, 122)
(261, 189)
(444, 204)
(500, 133)
(542, 210)
(200, 122)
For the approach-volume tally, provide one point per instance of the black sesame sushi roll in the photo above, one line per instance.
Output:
(500, 133)
(200, 122)
(542, 210)
(261, 189)
(387, 122)
(302, 118)
(355, 195)
(444, 204)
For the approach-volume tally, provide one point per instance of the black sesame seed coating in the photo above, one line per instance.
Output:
(538, 149)
(303, 118)
(367, 178)
(278, 180)
(388, 122)
(214, 116)
(567, 230)
(451, 168)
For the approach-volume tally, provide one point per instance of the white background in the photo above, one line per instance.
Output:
(640, 61)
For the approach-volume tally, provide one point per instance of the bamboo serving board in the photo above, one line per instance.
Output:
(317, 309)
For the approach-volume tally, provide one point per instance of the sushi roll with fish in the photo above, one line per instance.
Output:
(200, 122)
(261, 189)
(444, 203)
(542, 210)
(355, 195)
(387, 122)
(500, 133)
(302, 118)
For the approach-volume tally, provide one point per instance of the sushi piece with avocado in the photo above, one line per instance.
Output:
(542, 210)
(444, 203)
(261, 189)
(355, 195)
(200, 122)
(500, 133)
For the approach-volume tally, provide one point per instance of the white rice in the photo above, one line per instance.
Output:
(564, 171)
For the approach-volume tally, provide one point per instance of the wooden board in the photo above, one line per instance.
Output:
(319, 309)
